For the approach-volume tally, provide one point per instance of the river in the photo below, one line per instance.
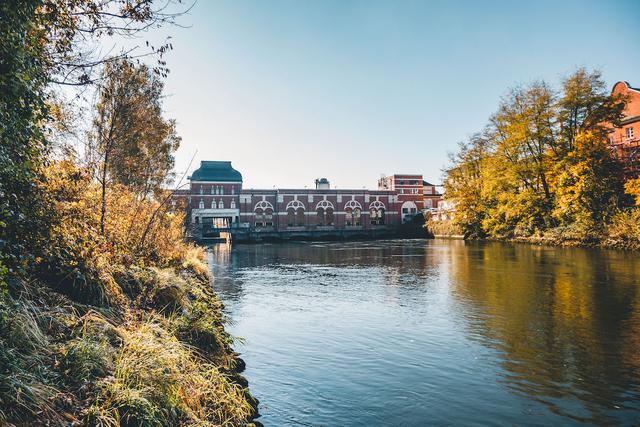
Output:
(436, 332)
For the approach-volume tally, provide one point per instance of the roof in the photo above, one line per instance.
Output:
(627, 85)
(216, 172)
(426, 183)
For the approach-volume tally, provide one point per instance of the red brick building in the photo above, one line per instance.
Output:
(625, 140)
(414, 194)
(215, 199)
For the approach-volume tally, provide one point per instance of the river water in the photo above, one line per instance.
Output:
(438, 332)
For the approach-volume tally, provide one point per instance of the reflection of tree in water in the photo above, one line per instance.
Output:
(566, 322)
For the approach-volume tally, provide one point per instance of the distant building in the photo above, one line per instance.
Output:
(216, 200)
(414, 193)
(432, 198)
(625, 140)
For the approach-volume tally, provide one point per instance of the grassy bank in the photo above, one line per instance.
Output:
(107, 330)
(622, 232)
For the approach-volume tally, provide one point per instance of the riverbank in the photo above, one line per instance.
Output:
(153, 351)
(623, 233)
(118, 326)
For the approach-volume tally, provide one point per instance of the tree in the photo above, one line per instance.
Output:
(463, 183)
(586, 106)
(588, 183)
(22, 142)
(522, 133)
(45, 43)
(134, 143)
(543, 162)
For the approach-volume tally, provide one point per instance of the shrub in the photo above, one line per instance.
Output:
(624, 230)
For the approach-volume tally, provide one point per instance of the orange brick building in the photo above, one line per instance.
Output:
(625, 140)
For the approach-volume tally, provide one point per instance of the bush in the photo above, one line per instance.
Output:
(624, 230)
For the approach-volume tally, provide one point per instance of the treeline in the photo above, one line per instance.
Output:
(542, 169)
(107, 316)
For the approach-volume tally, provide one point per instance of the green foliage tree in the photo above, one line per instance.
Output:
(23, 113)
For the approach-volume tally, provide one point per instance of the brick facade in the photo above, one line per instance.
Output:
(216, 199)
(625, 140)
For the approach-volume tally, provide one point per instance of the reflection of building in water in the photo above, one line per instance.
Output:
(216, 200)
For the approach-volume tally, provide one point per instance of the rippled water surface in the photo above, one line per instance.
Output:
(435, 332)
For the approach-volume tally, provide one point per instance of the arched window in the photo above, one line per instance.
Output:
(263, 204)
(295, 213)
(213, 190)
(213, 204)
(233, 203)
(220, 204)
(291, 217)
(328, 216)
(263, 214)
(221, 189)
(348, 216)
(353, 212)
(377, 208)
(300, 217)
(268, 218)
(324, 213)
(357, 214)
(259, 214)
(201, 204)
(320, 216)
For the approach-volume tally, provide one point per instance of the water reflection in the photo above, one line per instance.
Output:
(436, 332)
(565, 320)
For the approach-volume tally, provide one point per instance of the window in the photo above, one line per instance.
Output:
(629, 132)
(348, 216)
(213, 204)
(213, 190)
(356, 216)
(405, 210)
(259, 217)
(201, 204)
(268, 218)
(201, 189)
(233, 189)
(221, 189)
(324, 216)
(220, 204)
(300, 217)
(233, 203)
(291, 217)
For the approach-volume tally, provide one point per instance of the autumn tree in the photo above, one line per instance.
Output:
(134, 144)
(463, 184)
(521, 134)
(545, 161)
(44, 44)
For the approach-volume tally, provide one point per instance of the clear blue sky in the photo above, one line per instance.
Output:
(294, 90)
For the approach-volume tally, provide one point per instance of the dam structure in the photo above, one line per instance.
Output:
(218, 206)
